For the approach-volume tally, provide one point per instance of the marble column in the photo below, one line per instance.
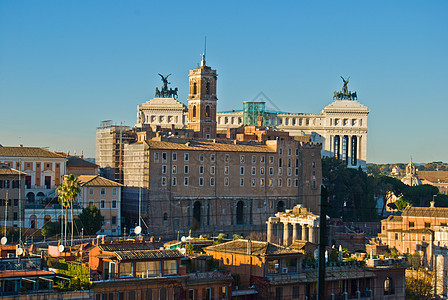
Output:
(311, 234)
(285, 234)
(304, 230)
(269, 231)
(279, 232)
(294, 232)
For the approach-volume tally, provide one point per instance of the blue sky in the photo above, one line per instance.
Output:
(67, 65)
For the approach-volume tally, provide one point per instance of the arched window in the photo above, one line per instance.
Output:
(207, 88)
(40, 196)
(165, 216)
(354, 151)
(47, 219)
(194, 111)
(389, 286)
(195, 88)
(197, 215)
(30, 197)
(280, 206)
(33, 220)
(337, 146)
(240, 212)
(207, 111)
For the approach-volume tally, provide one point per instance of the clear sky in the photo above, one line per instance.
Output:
(67, 65)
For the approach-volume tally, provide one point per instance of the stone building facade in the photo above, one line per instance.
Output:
(217, 186)
(12, 190)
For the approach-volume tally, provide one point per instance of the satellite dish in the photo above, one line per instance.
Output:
(61, 248)
(19, 251)
(183, 251)
(4, 240)
(183, 239)
(138, 230)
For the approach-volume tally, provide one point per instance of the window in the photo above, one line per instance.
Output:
(201, 181)
(280, 171)
(289, 151)
(164, 167)
(411, 224)
(114, 220)
(156, 156)
(388, 286)
(241, 170)
(226, 170)
(295, 292)
(227, 158)
(262, 171)
(289, 171)
(208, 294)
(254, 159)
(254, 170)
(279, 182)
(212, 181)
(212, 170)
(241, 181)
(103, 191)
(174, 183)
(241, 158)
(185, 181)
(126, 269)
(114, 203)
(201, 157)
(163, 156)
(114, 191)
(273, 266)
(174, 156)
(174, 171)
(186, 156)
(297, 151)
(16, 202)
(212, 157)
(261, 181)
(297, 171)
(163, 181)
(226, 181)
(280, 151)
(271, 159)
(280, 162)
(288, 182)
(262, 159)
(253, 182)
(186, 169)
(296, 182)
(91, 191)
(271, 182)
(271, 171)
(170, 267)
(201, 169)
(427, 225)
(103, 204)
(191, 295)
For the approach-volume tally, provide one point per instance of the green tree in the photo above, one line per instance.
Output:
(419, 288)
(90, 219)
(50, 229)
(67, 193)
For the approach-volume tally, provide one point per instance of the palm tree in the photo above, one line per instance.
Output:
(68, 191)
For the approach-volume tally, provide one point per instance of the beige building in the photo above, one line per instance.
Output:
(105, 194)
(216, 186)
(44, 169)
(12, 190)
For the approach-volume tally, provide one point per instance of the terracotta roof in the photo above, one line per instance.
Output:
(28, 152)
(96, 180)
(427, 212)
(147, 254)
(124, 247)
(434, 176)
(256, 247)
(74, 161)
(208, 146)
(5, 170)
(24, 273)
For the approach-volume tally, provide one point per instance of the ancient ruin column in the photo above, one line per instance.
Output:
(269, 231)
(294, 232)
(311, 234)
(304, 230)
(285, 234)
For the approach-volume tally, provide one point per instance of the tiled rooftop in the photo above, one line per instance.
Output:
(27, 152)
(96, 180)
(208, 146)
(255, 247)
(426, 212)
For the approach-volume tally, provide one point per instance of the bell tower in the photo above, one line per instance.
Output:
(202, 101)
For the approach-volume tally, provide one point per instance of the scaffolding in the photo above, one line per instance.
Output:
(251, 112)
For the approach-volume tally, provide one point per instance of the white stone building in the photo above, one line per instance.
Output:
(341, 126)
